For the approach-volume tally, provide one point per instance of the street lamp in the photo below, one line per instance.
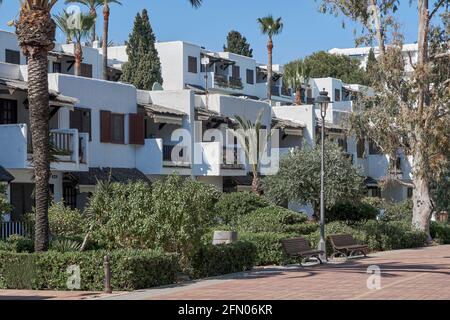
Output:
(322, 102)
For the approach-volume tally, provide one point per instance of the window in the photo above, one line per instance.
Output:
(117, 128)
(236, 72)
(361, 148)
(81, 119)
(8, 111)
(192, 64)
(374, 192)
(337, 95)
(86, 70)
(342, 142)
(112, 127)
(56, 67)
(70, 195)
(250, 76)
(410, 193)
(12, 56)
(374, 149)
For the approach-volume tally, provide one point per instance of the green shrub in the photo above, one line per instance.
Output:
(65, 245)
(182, 214)
(212, 260)
(63, 220)
(352, 212)
(232, 206)
(17, 244)
(378, 235)
(121, 215)
(269, 219)
(5, 206)
(269, 250)
(440, 232)
(401, 211)
(130, 269)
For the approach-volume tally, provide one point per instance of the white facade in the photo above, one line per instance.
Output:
(361, 54)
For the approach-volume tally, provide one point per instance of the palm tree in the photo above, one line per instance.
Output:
(296, 73)
(79, 33)
(271, 27)
(249, 136)
(35, 31)
(106, 13)
(61, 21)
(93, 5)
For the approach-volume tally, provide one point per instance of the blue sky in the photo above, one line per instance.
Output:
(306, 30)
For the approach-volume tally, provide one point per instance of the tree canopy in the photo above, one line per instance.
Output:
(323, 64)
(238, 44)
(143, 68)
(299, 178)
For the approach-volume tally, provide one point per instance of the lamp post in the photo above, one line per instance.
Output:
(322, 102)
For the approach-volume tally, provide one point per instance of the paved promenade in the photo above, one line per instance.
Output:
(405, 274)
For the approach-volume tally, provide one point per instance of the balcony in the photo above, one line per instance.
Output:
(236, 83)
(69, 148)
(287, 92)
(221, 80)
(231, 159)
(175, 156)
(276, 91)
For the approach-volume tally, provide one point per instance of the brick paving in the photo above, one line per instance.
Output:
(405, 274)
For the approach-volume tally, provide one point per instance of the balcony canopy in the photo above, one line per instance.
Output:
(161, 114)
(202, 114)
(56, 99)
(288, 127)
(213, 58)
(94, 175)
(5, 176)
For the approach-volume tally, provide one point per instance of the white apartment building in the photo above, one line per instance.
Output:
(109, 130)
(410, 54)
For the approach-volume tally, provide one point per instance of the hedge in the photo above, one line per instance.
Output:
(130, 269)
(440, 232)
(212, 260)
(269, 250)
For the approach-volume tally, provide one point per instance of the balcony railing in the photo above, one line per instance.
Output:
(179, 158)
(287, 92)
(231, 159)
(236, 83)
(221, 80)
(8, 229)
(62, 143)
(276, 91)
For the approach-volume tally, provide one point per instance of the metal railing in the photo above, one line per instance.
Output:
(8, 229)
(276, 91)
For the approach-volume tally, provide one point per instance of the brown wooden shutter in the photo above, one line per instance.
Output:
(105, 126)
(136, 129)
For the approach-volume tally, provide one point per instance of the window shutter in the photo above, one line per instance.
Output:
(136, 129)
(105, 126)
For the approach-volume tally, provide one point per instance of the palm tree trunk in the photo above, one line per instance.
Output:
(298, 95)
(93, 13)
(256, 183)
(78, 58)
(105, 39)
(39, 115)
(269, 69)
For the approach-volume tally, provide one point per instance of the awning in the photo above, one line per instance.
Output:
(330, 126)
(370, 182)
(161, 114)
(196, 88)
(288, 127)
(213, 58)
(94, 175)
(202, 114)
(275, 75)
(56, 99)
(5, 176)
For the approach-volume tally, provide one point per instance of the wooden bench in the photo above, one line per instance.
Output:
(345, 244)
(300, 248)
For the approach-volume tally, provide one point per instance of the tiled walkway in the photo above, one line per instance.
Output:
(406, 274)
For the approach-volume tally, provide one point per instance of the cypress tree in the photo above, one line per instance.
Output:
(143, 68)
(238, 44)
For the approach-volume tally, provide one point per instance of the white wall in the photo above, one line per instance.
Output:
(102, 95)
(13, 146)
(8, 40)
